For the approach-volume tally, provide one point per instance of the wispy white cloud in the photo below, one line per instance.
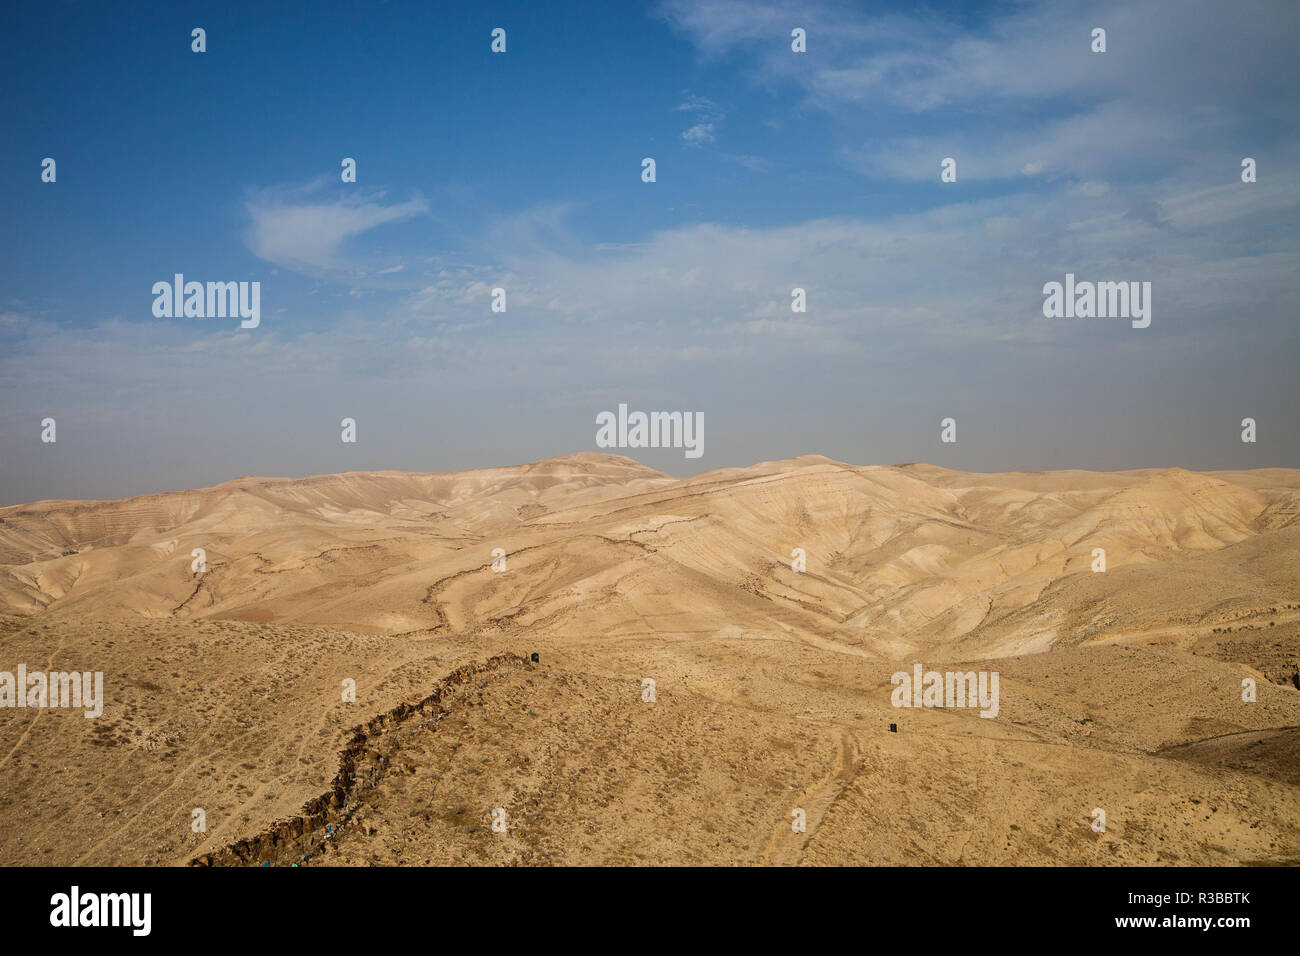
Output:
(1021, 94)
(1026, 51)
(699, 133)
(303, 229)
(701, 106)
(756, 163)
(708, 115)
(1114, 140)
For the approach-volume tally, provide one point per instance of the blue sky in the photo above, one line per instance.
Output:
(522, 170)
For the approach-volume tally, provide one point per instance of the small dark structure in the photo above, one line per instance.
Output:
(893, 728)
(535, 658)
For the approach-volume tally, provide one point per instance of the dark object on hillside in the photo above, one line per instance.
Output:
(893, 728)
(535, 657)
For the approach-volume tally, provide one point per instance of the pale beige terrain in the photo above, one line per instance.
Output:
(1118, 690)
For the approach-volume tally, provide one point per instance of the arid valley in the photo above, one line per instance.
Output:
(765, 608)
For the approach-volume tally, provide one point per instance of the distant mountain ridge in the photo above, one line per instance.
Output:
(899, 559)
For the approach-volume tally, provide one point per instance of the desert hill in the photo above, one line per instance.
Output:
(774, 683)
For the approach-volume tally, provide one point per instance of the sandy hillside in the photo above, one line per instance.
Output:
(1119, 690)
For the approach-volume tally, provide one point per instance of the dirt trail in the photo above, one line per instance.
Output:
(785, 847)
(36, 715)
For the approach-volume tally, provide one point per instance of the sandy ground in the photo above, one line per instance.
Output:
(1119, 691)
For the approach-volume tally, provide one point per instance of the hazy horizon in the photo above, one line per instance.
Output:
(666, 470)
